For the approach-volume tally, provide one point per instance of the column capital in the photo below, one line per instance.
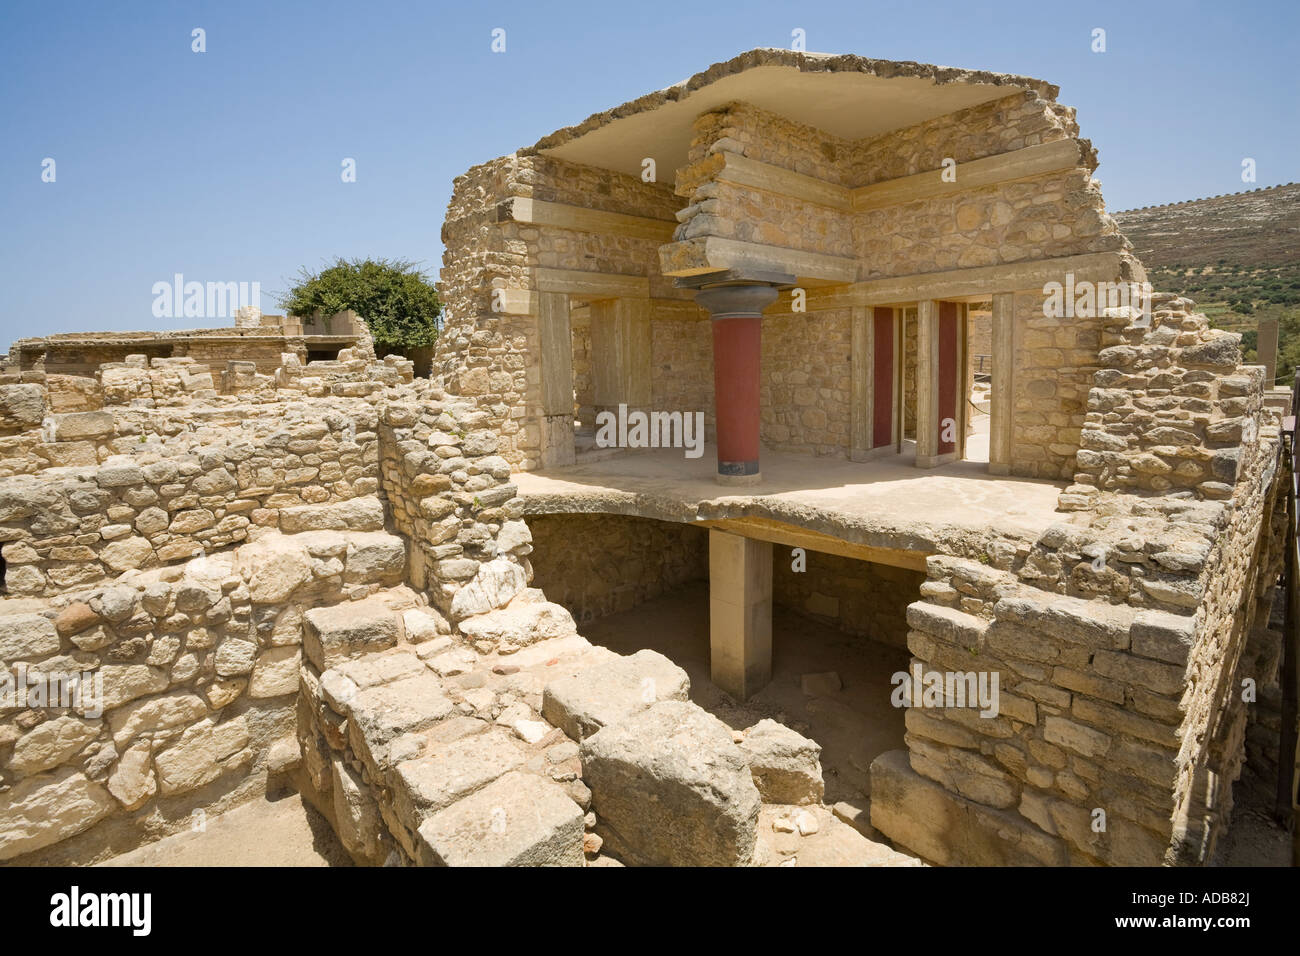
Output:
(735, 301)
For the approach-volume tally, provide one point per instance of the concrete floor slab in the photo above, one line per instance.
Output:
(885, 503)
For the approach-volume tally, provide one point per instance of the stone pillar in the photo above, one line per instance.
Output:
(1002, 395)
(620, 353)
(927, 369)
(1266, 349)
(740, 613)
(737, 313)
(556, 362)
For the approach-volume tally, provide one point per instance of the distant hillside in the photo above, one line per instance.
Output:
(1256, 228)
(1237, 255)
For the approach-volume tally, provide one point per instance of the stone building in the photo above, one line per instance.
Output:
(322, 572)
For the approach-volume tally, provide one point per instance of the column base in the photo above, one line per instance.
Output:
(739, 480)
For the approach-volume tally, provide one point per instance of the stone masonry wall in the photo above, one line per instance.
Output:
(188, 680)
(1120, 639)
(596, 565)
(168, 498)
(857, 597)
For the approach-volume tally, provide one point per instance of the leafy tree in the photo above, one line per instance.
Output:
(397, 302)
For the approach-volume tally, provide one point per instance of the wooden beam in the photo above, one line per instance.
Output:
(580, 219)
(743, 171)
(777, 532)
(969, 285)
(715, 254)
(596, 285)
(1027, 163)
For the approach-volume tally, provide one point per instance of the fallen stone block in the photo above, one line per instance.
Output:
(583, 703)
(786, 765)
(520, 819)
(671, 788)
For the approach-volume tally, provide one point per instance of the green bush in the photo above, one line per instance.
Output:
(394, 299)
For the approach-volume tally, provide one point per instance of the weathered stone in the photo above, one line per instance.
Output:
(203, 752)
(43, 810)
(492, 587)
(672, 789)
(357, 514)
(786, 765)
(336, 634)
(52, 743)
(427, 784)
(275, 672)
(598, 696)
(519, 819)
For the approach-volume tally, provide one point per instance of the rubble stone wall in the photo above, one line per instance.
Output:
(1120, 639)
(189, 676)
(857, 597)
(596, 565)
(163, 499)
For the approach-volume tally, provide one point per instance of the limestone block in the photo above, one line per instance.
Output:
(672, 789)
(203, 752)
(43, 810)
(493, 586)
(27, 637)
(51, 743)
(382, 712)
(520, 819)
(77, 426)
(275, 672)
(356, 815)
(583, 703)
(356, 514)
(132, 781)
(427, 784)
(157, 717)
(336, 634)
(786, 765)
(525, 620)
(374, 557)
(126, 682)
(22, 407)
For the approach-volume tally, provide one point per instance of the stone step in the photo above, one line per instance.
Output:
(581, 704)
(520, 819)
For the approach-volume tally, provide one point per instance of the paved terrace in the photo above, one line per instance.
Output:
(885, 510)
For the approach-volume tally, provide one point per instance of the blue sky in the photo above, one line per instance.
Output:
(224, 166)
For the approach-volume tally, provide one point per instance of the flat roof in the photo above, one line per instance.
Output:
(848, 96)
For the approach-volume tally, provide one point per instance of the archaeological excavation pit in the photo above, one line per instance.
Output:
(838, 626)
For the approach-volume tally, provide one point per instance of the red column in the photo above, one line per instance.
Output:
(737, 312)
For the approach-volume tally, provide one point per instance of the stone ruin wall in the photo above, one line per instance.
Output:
(1122, 635)
(805, 405)
(599, 564)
